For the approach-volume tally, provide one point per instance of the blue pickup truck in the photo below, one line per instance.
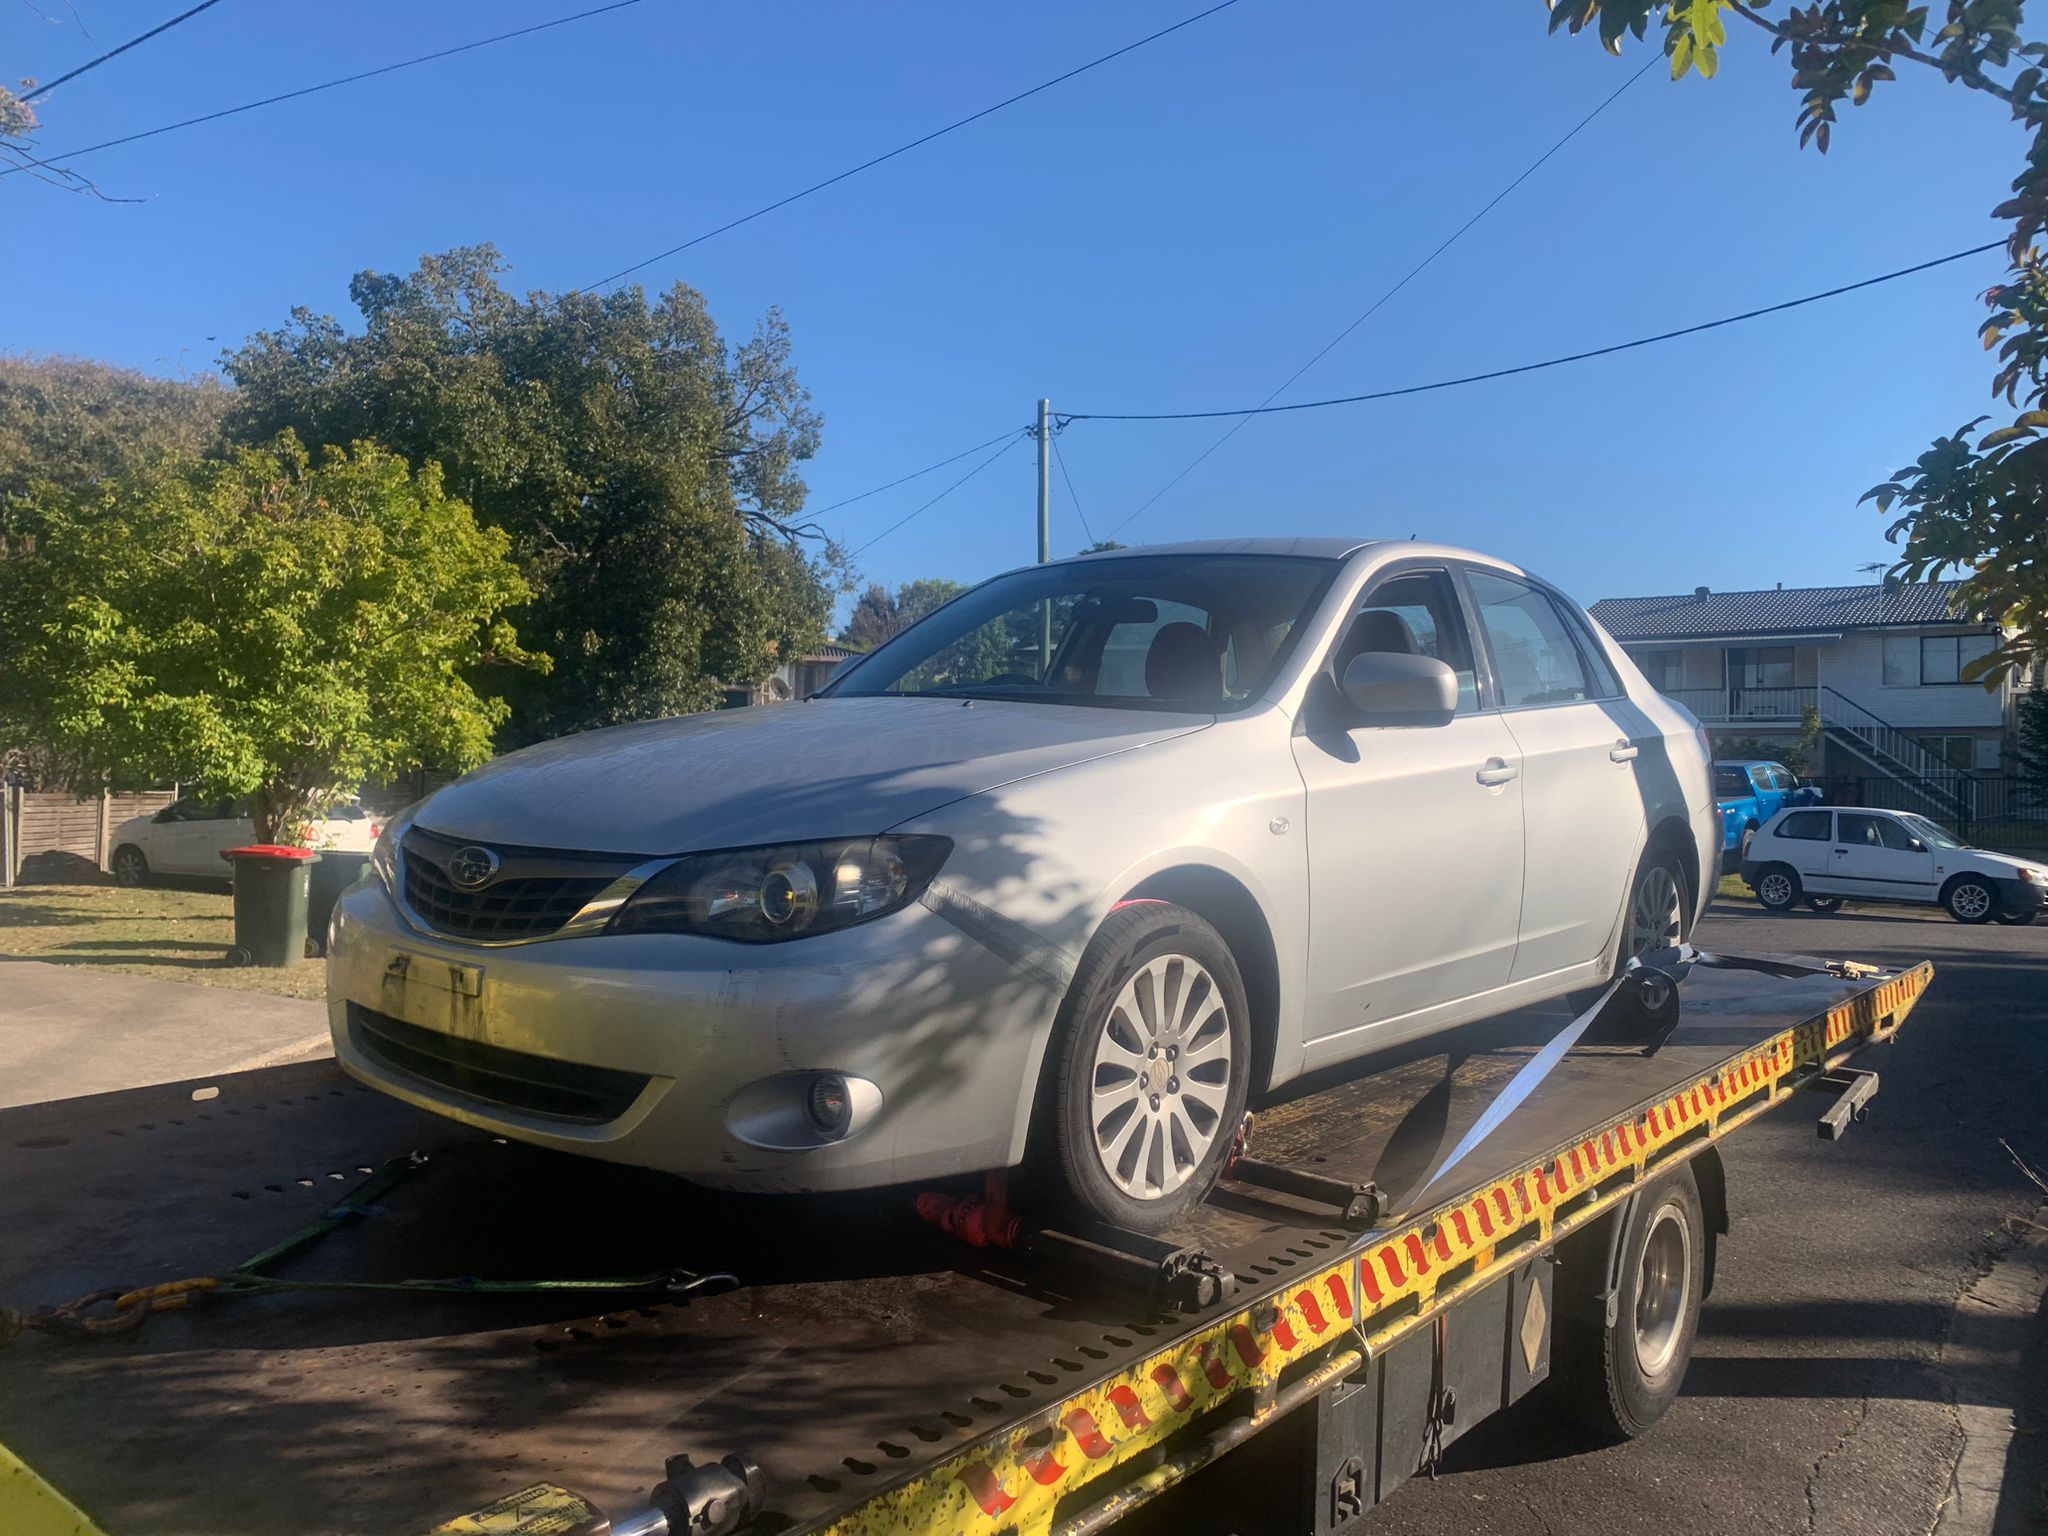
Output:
(1750, 793)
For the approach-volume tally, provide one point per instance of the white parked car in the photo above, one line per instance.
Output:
(1060, 875)
(1822, 857)
(187, 838)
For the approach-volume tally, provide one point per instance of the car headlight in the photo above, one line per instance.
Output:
(384, 857)
(2037, 876)
(767, 895)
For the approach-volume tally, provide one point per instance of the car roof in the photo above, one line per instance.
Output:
(1324, 547)
(1749, 762)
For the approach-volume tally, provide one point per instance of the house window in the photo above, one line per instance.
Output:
(1664, 668)
(1932, 660)
(1763, 667)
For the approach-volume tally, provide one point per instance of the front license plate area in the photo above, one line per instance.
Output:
(434, 994)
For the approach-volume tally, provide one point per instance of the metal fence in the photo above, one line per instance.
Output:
(2000, 812)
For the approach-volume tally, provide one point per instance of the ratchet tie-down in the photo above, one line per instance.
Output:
(115, 1311)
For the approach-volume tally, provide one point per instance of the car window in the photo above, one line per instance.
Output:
(1730, 783)
(1132, 632)
(1761, 778)
(1806, 826)
(1859, 831)
(1535, 658)
(1416, 614)
(1896, 836)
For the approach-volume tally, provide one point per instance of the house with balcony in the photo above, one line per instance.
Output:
(1881, 664)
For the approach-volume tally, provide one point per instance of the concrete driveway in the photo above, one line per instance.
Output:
(66, 1030)
(1821, 1399)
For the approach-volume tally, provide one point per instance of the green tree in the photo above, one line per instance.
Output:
(70, 423)
(645, 469)
(258, 625)
(1974, 501)
(2031, 760)
(880, 615)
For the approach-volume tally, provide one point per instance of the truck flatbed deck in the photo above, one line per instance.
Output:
(884, 1376)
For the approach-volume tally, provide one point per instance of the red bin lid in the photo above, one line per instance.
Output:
(267, 851)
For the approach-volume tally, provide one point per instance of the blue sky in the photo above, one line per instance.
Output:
(1177, 230)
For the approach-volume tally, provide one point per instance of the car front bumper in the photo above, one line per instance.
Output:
(694, 1055)
(2020, 896)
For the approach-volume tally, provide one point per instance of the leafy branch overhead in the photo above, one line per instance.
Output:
(1974, 501)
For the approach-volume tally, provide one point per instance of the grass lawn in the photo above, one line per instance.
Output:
(1731, 888)
(172, 933)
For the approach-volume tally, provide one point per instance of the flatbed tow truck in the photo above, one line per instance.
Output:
(1350, 1301)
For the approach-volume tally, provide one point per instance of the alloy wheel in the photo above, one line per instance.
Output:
(1970, 901)
(129, 867)
(1656, 914)
(1162, 1077)
(1774, 890)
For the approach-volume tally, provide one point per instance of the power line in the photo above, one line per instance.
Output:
(325, 85)
(904, 149)
(1553, 362)
(949, 490)
(1061, 460)
(92, 64)
(914, 474)
(1412, 273)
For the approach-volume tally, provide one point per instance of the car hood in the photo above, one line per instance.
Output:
(776, 773)
(2000, 865)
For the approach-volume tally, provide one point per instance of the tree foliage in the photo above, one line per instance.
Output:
(72, 423)
(646, 470)
(880, 615)
(1973, 502)
(258, 625)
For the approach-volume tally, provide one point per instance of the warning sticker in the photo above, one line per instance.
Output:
(542, 1510)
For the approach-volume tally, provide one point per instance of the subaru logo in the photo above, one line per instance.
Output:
(472, 866)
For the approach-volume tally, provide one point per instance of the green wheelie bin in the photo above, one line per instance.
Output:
(270, 903)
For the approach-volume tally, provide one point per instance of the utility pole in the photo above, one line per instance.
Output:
(1045, 531)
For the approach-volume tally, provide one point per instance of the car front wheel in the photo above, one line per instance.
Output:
(1777, 888)
(1970, 899)
(1154, 1060)
(129, 865)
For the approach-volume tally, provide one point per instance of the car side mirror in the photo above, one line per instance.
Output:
(1918, 846)
(1392, 688)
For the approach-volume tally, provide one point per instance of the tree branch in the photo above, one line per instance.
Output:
(1889, 49)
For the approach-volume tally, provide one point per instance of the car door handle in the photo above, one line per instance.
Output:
(1622, 752)
(1498, 770)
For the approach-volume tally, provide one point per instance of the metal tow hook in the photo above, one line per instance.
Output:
(714, 1499)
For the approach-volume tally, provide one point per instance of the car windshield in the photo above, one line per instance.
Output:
(1930, 833)
(1183, 632)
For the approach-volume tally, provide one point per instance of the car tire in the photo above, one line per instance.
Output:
(1137, 1135)
(1970, 899)
(1748, 837)
(1659, 866)
(2017, 919)
(1618, 1380)
(129, 865)
(1825, 903)
(1777, 888)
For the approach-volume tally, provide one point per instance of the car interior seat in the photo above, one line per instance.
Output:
(1184, 665)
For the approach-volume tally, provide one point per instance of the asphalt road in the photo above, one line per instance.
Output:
(1817, 1400)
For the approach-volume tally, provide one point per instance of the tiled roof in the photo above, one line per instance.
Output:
(1781, 611)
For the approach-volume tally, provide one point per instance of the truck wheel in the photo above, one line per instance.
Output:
(129, 865)
(1777, 888)
(1748, 837)
(1153, 1060)
(1619, 1380)
(1970, 899)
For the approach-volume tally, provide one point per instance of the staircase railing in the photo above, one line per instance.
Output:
(1945, 787)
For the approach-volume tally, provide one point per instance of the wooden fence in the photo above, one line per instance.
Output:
(55, 822)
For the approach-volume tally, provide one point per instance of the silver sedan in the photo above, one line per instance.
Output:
(1061, 876)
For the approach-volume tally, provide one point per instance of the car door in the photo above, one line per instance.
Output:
(1414, 832)
(1583, 812)
(1875, 856)
(173, 833)
(1806, 841)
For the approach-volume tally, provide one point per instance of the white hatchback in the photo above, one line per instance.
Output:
(187, 838)
(1823, 856)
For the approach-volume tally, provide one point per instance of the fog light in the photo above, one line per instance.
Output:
(830, 1104)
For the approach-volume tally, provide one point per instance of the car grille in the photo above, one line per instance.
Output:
(514, 905)
(538, 1085)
